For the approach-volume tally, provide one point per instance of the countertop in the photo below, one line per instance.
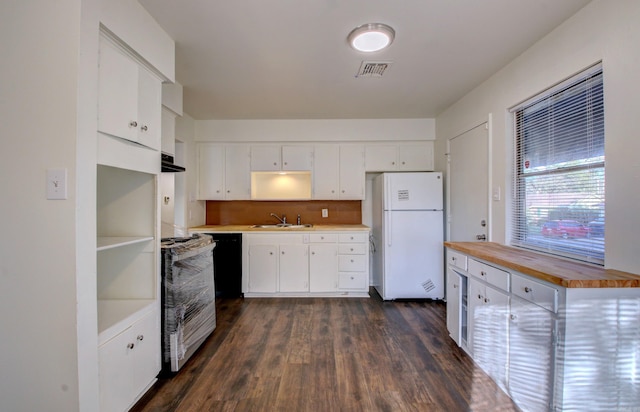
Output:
(249, 228)
(554, 270)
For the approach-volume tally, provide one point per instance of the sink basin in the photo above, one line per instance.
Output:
(282, 226)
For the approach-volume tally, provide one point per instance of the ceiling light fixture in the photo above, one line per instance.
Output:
(371, 37)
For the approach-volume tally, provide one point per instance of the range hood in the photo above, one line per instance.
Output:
(169, 166)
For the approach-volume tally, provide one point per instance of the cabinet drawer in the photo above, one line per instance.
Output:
(456, 259)
(353, 238)
(352, 249)
(496, 277)
(352, 263)
(352, 280)
(323, 238)
(535, 292)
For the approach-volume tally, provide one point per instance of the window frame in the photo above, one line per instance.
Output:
(519, 228)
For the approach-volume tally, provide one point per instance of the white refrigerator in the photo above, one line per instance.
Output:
(408, 261)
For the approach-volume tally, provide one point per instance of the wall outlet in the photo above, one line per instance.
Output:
(325, 212)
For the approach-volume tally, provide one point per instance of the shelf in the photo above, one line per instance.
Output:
(115, 315)
(110, 242)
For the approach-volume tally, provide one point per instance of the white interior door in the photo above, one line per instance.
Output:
(468, 184)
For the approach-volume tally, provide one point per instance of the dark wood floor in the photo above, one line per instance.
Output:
(338, 354)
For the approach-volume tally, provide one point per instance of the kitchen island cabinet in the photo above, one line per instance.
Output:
(573, 339)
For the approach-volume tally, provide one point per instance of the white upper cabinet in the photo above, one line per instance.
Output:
(351, 172)
(168, 131)
(223, 172)
(386, 157)
(326, 176)
(129, 98)
(276, 158)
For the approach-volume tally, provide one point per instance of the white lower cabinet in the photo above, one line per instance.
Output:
(294, 268)
(323, 262)
(306, 264)
(531, 355)
(129, 363)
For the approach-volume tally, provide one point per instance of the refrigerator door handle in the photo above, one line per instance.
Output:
(387, 228)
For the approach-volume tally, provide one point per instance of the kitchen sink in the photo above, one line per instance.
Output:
(282, 226)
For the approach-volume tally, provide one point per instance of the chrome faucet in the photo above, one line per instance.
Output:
(283, 220)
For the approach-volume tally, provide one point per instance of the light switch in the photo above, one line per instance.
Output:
(325, 212)
(56, 184)
(496, 193)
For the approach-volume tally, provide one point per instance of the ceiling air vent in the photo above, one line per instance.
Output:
(373, 69)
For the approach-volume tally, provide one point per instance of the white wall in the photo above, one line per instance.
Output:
(38, 106)
(606, 30)
(48, 96)
(194, 209)
(315, 130)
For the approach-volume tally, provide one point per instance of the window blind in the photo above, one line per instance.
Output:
(559, 170)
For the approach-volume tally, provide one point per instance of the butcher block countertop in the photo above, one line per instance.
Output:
(554, 270)
(249, 228)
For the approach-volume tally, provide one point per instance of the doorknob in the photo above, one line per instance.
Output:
(481, 237)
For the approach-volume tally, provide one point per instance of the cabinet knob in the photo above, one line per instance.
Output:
(275, 164)
(480, 297)
(130, 346)
(271, 253)
(352, 278)
(285, 163)
(228, 191)
(402, 162)
(283, 252)
(313, 253)
(133, 123)
(527, 289)
(486, 300)
(333, 191)
(455, 286)
(351, 260)
(140, 337)
(393, 163)
(144, 128)
(483, 273)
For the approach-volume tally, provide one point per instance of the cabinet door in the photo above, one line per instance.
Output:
(297, 157)
(453, 305)
(531, 355)
(323, 267)
(326, 177)
(115, 360)
(237, 172)
(265, 158)
(149, 109)
(211, 172)
(146, 351)
(490, 335)
(117, 93)
(263, 267)
(294, 268)
(380, 158)
(415, 157)
(351, 172)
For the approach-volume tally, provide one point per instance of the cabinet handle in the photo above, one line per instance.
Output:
(130, 346)
(527, 289)
(144, 128)
(140, 337)
(133, 123)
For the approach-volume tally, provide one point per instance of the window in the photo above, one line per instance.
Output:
(559, 170)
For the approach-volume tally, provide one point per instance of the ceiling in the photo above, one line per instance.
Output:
(289, 59)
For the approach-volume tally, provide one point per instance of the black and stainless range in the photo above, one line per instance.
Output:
(188, 297)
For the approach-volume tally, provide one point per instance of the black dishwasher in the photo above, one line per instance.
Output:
(227, 264)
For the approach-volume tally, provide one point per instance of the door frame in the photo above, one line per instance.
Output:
(489, 125)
